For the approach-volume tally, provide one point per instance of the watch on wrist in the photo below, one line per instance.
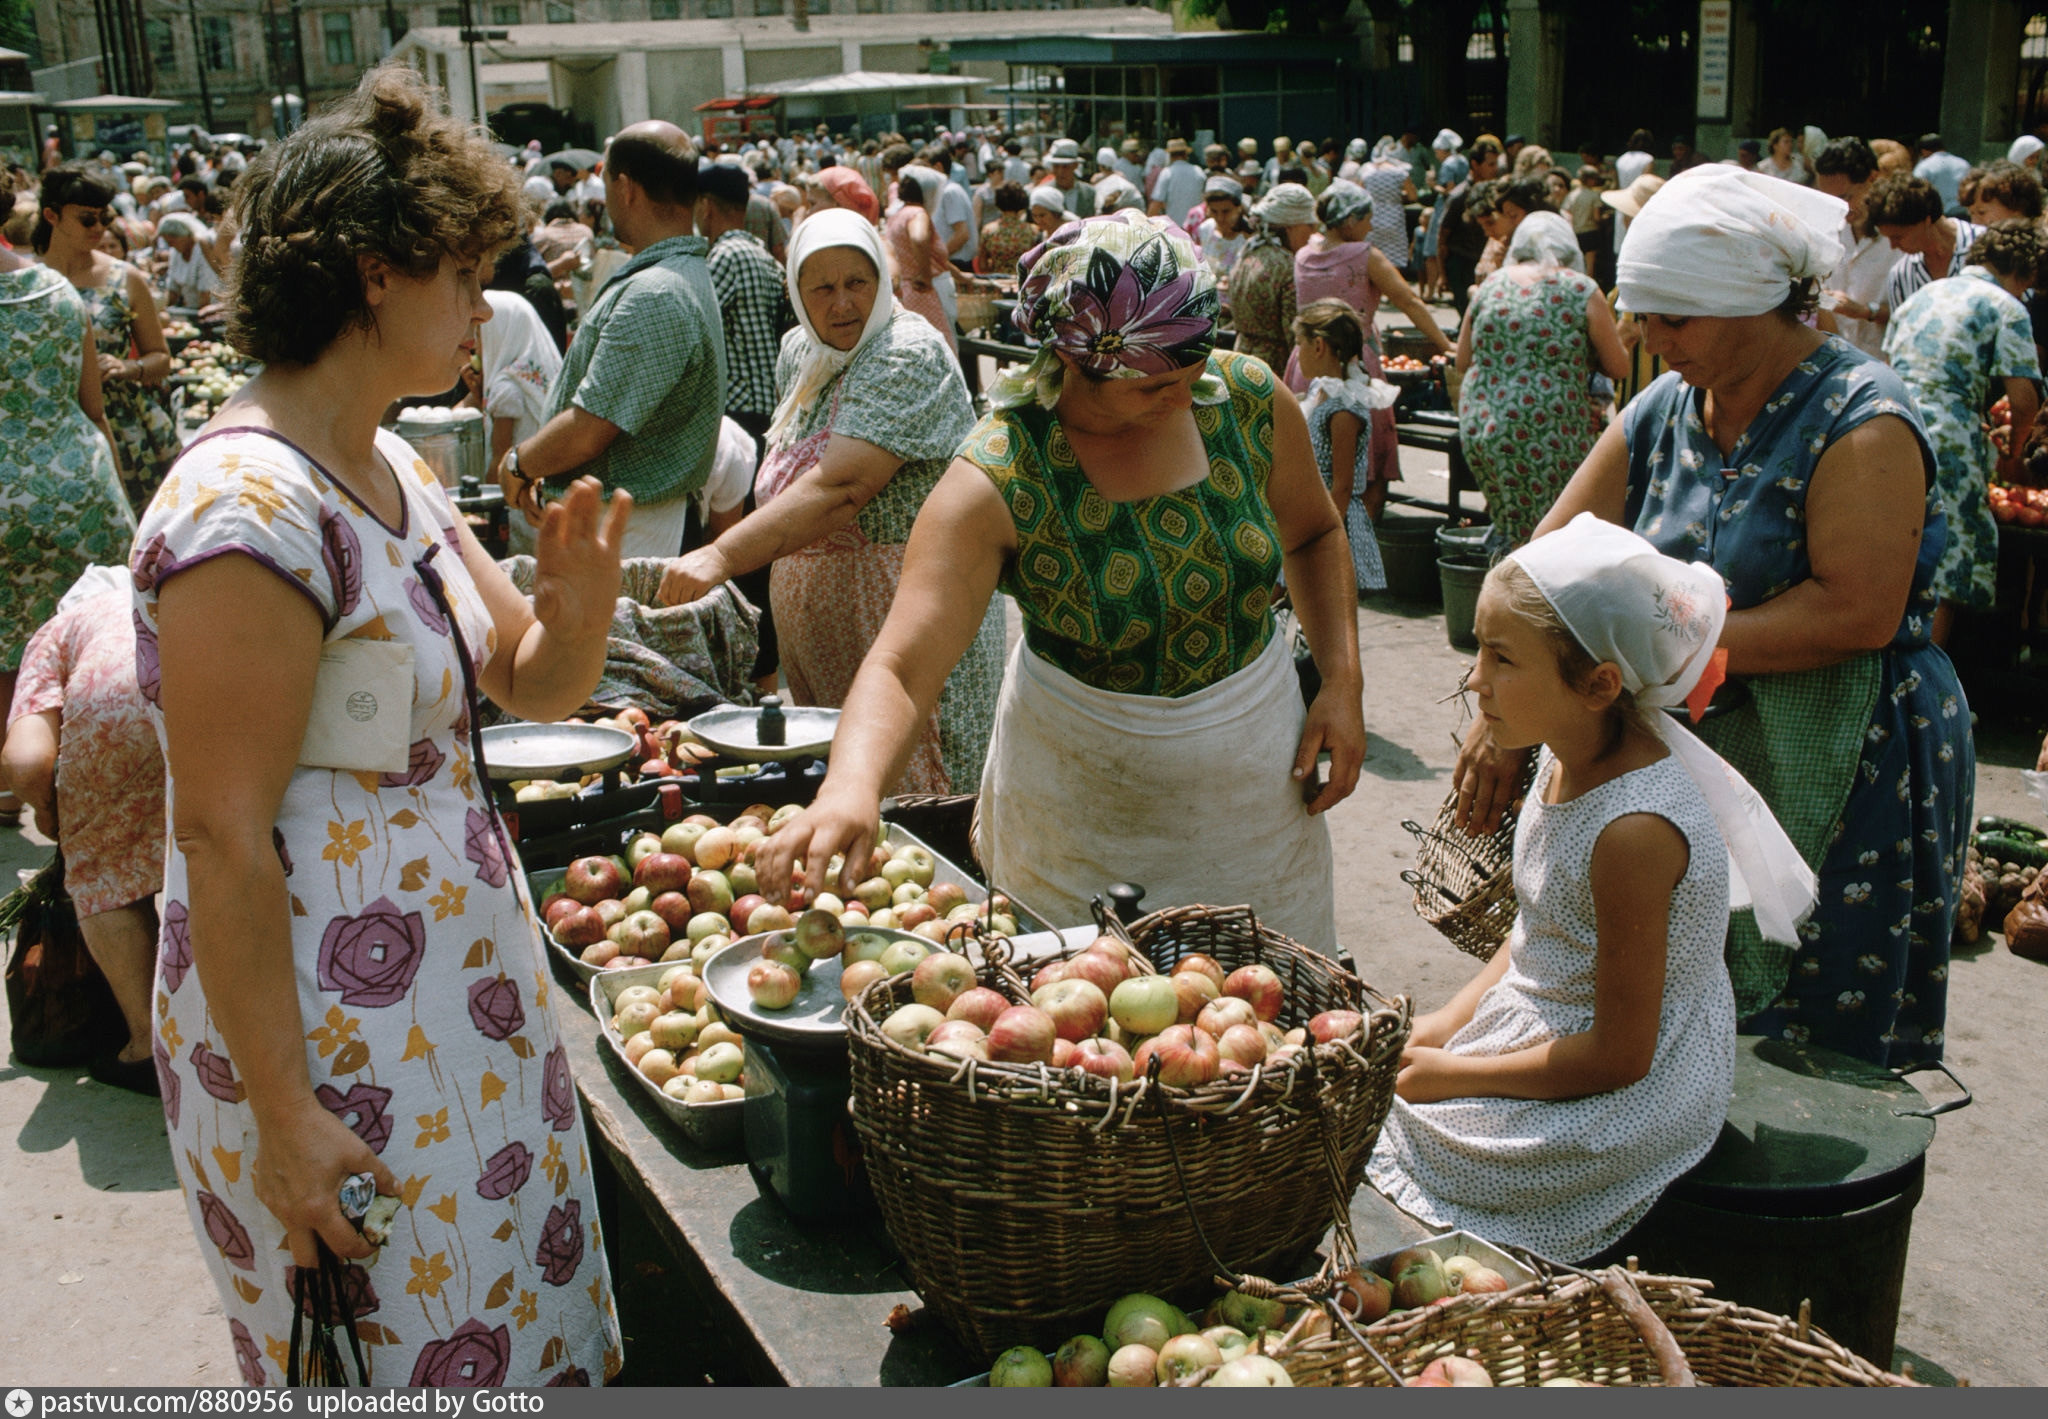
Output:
(512, 464)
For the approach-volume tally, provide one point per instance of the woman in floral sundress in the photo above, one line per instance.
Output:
(348, 978)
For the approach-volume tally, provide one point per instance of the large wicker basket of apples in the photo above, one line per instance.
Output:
(1041, 1147)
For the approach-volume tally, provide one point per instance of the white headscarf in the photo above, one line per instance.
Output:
(1548, 239)
(819, 362)
(1659, 620)
(1287, 205)
(94, 581)
(1719, 241)
(521, 362)
(1446, 142)
(2023, 149)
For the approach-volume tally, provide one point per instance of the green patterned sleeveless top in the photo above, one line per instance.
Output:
(1159, 596)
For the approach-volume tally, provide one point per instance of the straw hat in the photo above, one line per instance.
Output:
(1629, 200)
(1065, 152)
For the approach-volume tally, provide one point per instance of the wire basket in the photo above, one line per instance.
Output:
(1465, 886)
(1026, 1200)
(1616, 1327)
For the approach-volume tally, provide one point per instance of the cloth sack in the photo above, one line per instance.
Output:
(60, 1010)
(1192, 798)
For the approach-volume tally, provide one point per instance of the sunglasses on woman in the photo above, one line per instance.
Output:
(93, 217)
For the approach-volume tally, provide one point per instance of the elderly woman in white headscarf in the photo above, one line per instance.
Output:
(1536, 333)
(872, 408)
(1798, 468)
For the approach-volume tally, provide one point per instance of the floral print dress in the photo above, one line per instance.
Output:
(432, 1028)
(1262, 302)
(1868, 765)
(61, 505)
(141, 423)
(1524, 416)
(1951, 342)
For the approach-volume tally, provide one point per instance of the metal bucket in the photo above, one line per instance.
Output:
(449, 441)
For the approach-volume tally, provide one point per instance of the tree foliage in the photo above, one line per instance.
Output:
(18, 29)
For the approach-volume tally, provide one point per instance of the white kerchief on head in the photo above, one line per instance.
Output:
(1546, 238)
(2023, 147)
(1658, 620)
(1720, 241)
(819, 232)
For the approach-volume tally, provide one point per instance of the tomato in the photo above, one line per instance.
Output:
(2031, 517)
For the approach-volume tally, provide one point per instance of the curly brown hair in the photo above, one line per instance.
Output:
(2014, 247)
(380, 173)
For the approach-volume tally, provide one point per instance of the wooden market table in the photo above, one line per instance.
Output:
(774, 1299)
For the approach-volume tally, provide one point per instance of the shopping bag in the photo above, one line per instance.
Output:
(61, 1011)
(322, 1307)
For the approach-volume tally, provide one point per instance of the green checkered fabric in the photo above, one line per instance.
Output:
(1797, 741)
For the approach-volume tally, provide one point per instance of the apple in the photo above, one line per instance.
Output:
(659, 1066)
(1077, 1008)
(676, 1031)
(945, 896)
(866, 946)
(1258, 985)
(1365, 1295)
(1104, 1057)
(1099, 969)
(830, 904)
(636, 900)
(1187, 1057)
(1220, 1014)
(1020, 1367)
(905, 894)
(886, 917)
(721, 1063)
(634, 994)
(746, 832)
(961, 1039)
(1229, 1341)
(637, 1047)
(1201, 965)
(1420, 1283)
(819, 933)
(1145, 1005)
(1194, 991)
(1271, 1033)
(581, 926)
(634, 718)
(782, 948)
(591, 880)
(635, 1017)
(742, 877)
(1000, 925)
(675, 909)
(773, 985)
(1105, 943)
(1454, 1372)
(940, 979)
(681, 838)
(1334, 1025)
(1133, 1367)
(1084, 1360)
(662, 872)
(704, 924)
(859, 976)
(978, 1004)
(715, 1032)
(934, 931)
(1242, 1045)
(1022, 1034)
(558, 908)
(900, 957)
(769, 917)
(923, 866)
(710, 892)
(911, 1025)
(1473, 1280)
(874, 893)
(716, 848)
(611, 912)
(1185, 1356)
(895, 872)
(1139, 1319)
(779, 819)
(1249, 1371)
(1062, 1053)
(671, 976)
(600, 953)
(642, 934)
(915, 914)
(1047, 974)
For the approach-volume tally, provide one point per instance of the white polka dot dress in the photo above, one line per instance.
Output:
(1567, 1178)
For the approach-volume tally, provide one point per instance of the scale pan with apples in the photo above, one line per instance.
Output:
(553, 751)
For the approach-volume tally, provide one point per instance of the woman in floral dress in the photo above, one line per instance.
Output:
(349, 979)
(134, 359)
(61, 504)
(1954, 343)
(872, 408)
(1262, 303)
(1528, 349)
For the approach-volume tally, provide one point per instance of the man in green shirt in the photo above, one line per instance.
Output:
(641, 390)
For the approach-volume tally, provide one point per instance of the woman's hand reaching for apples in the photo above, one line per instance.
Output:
(836, 825)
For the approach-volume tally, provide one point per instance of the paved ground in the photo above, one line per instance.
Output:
(104, 1283)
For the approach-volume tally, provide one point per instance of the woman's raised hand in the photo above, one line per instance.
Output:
(576, 580)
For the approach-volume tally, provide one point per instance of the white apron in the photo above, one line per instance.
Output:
(1194, 798)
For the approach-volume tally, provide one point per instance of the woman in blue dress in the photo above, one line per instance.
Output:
(1798, 468)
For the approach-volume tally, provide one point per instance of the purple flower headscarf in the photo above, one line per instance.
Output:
(1124, 295)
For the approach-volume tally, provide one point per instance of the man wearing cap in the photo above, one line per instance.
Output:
(1943, 171)
(1179, 184)
(1252, 178)
(1128, 166)
(1064, 161)
(1510, 149)
(1748, 153)
(1283, 156)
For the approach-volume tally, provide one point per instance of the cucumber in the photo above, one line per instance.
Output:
(2013, 850)
(2011, 827)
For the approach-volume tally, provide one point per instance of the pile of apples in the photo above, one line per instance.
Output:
(690, 891)
(660, 750)
(1103, 1012)
(1147, 1342)
(672, 1034)
(2028, 507)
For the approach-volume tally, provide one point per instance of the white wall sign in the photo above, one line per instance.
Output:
(1716, 21)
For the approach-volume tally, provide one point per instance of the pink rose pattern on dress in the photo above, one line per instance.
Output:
(474, 1357)
(371, 959)
(417, 1040)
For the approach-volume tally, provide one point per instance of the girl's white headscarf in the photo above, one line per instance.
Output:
(1547, 239)
(819, 362)
(1719, 241)
(1659, 620)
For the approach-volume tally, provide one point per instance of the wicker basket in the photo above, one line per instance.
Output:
(975, 302)
(1465, 886)
(1615, 1328)
(1026, 1200)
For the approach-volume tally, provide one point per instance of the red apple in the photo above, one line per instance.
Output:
(743, 908)
(1062, 1053)
(601, 953)
(1335, 1025)
(1203, 965)
(916, 914)
(859, 976)
(1453, 1372)
(940, 979)
(1194, 990)
(1100, 969)
(1105, 1057)
(1077, 1008)
(1048, 974)
(662, 872)
(1187, 1056)
(960, 1038)
(1365, 1296)
(1022, 1034)
(559, 908)
(978, 1004)
(1220, 1014)
(773, 985)
(581, 927)
(768, 917)
(673, 908)
(944, 896)
(642, 934)
(1109, 945)
(1242, 1044)
(1258, 985)
(591, 880)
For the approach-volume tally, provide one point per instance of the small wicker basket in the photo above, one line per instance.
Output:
(1465, 886)
(975, 302)
(1026, 1200)
(1614, 1328)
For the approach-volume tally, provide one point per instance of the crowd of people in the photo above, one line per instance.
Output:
(1726, 417)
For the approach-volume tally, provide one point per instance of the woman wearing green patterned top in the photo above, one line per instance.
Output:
(872, 407)
(1137, 492)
